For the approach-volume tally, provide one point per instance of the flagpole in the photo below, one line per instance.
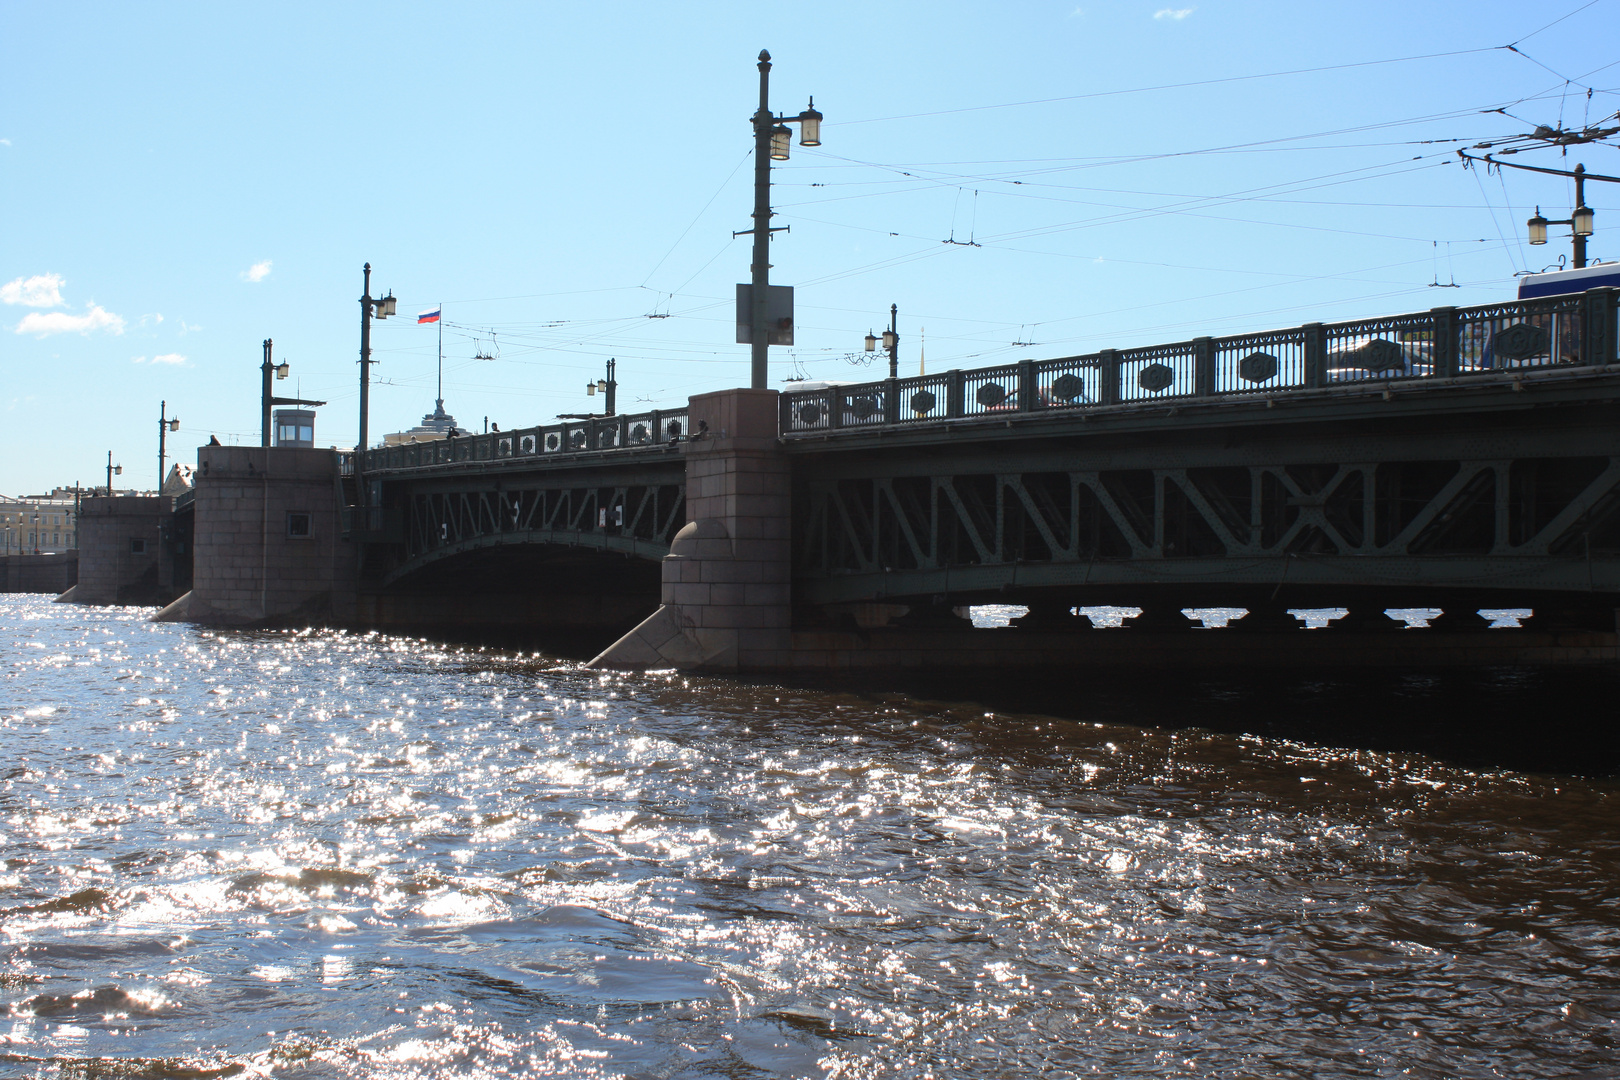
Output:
(441, 352)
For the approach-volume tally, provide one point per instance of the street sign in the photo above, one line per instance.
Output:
(778, 314)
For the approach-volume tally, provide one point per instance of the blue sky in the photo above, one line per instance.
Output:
(184, 180)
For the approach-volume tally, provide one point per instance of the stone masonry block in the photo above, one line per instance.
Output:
(713, 549)
(684, 593)
(730, 593)
(731, 570)
(768, 593)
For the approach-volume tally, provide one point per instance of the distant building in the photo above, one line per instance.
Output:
(39, 523)
(181, 479)
(437, 424)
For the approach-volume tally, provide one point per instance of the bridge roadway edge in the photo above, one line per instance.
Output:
(730, 600)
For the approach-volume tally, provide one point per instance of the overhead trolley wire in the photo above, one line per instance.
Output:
(1175, 86)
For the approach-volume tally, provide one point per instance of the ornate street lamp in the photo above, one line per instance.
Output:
(1579, 222)
(1538, 229)
(379, 307)
(772, 139)
(166, 424)
(891, 341)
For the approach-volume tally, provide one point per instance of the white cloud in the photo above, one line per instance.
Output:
(169, 358)
(60, 322)
(41, 290)
(188, 328)
(257, 272)
(1176, 14)
(153, 319)
(5, 142)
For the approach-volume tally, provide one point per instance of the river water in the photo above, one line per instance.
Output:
(336, 855)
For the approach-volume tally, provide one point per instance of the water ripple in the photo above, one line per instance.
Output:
(327, 854)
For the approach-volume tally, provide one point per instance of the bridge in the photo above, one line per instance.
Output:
(1459, 458)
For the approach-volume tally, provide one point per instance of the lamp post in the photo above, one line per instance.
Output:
(891, 341)
(268, 369)
(380, 307)
(111, 469)
(166, 424)
(608, 387)
(267, 397)
(1579, 222)
(772, 138)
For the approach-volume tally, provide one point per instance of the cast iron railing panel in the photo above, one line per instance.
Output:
(639, 431)
(1440, 344)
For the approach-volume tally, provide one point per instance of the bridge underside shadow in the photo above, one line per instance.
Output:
(568, 597)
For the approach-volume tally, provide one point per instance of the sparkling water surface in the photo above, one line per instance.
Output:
(335, 855)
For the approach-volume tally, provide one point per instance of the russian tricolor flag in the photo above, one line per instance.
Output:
(429, 316)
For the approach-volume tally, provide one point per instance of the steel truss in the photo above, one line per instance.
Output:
(1521, 522)
(636, 519)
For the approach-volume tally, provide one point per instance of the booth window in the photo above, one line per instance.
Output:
(300, 525)
(137, 545)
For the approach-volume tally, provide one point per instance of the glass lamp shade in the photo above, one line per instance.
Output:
(387, 306)
(871, 342)
(1538, 230)
(781, 140)
(118, 470)
(1583, 221)
(174, 425)
(282, 370)
(590, 389)
(810, 126)
(890, 339)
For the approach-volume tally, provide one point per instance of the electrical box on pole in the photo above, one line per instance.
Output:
(778, 314)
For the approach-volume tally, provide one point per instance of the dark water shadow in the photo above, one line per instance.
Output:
(1530, 719)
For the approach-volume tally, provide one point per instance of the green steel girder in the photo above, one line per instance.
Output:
(1401, 574)
(1507, 499)
(442, 521)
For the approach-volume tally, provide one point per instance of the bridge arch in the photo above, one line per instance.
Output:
(651, 550)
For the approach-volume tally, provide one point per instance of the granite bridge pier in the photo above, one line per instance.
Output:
(1463, 459)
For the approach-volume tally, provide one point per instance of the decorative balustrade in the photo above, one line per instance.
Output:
(1443, 343)
(601, 433)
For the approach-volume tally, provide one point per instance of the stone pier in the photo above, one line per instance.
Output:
(268, 540)
(124, 556)
(727, 582)
(53, 573)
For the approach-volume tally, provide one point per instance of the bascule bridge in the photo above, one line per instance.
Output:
(1458, 458)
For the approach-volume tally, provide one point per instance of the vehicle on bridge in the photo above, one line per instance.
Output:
(1565, 282)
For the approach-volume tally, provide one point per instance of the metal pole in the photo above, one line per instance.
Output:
(268, 370)
(109, 474)
(894, 339)
(759, 332)
(163, 429)
(1580, 201)
(365, 391)
(612, 387)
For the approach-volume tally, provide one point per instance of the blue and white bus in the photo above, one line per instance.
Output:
(1563, 282)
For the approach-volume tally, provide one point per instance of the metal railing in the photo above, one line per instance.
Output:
(1443, 343)
(638, 431)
